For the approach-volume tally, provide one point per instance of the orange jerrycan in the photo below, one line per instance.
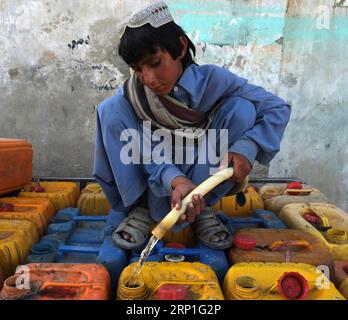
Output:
(58, 281)
(341, 277)
(16, 164)
(277, 195)
(231, 208)
(279, 245)
(45, 205)
(16, 239)
(61, 194)
(38, 211)
(278, 281)
(323, 220)
(92, 201)
(170, 281)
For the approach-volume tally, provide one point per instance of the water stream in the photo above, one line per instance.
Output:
(132, 281)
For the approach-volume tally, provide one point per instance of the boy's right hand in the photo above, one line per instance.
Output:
(181, 188)
(241, 166)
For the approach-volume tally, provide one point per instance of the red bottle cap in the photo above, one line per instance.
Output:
(175, 245)
(172, 292)
(244, 242)
(293, 285)
(294, 185)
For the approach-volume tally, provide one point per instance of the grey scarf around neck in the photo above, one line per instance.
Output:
(148, 107)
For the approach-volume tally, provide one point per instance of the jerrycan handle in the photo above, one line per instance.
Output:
(277, 245)
(181, 251)
(204, 283)
(320, 214)
(297, 190)
(97, 189)
(65, 284)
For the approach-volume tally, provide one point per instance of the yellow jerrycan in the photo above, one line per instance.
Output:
(278, 281)
(92, 201)
(37, 210)
(170, 281)
(62, 194)
(16, 239)
(323, 220)
(277, 195)
(231, 208)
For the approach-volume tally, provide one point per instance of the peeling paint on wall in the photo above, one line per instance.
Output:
(259, 64)
(315, 144)
(45, 81)
(231, 23)
(75, 43)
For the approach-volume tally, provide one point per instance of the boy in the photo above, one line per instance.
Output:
(169, 91)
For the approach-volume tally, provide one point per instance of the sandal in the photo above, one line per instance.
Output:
(138, 225)
(207, 225)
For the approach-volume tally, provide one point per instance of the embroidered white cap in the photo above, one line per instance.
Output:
(156, 14)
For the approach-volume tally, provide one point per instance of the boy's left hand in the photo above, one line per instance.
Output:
(241, 166)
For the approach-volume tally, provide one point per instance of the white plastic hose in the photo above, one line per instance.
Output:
(173, 216)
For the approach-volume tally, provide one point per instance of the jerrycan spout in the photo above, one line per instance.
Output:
(134, 291)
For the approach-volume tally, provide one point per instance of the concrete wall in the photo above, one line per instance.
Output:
(314, 78)
(59, 60)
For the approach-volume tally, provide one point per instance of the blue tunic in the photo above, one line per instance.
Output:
(255, 119)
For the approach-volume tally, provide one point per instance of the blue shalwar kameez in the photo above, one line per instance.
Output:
(255, 119)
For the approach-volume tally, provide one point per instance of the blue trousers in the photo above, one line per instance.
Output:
(124, 184)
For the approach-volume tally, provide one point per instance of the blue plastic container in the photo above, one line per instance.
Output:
(81, 240)
(84, 229)
(259, 219)
(216, 259)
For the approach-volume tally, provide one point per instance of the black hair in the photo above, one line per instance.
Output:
(137, 43)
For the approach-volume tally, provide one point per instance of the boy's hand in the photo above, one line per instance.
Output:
(181, 188)
(241, 166)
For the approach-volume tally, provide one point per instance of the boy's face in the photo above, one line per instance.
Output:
(159, 72)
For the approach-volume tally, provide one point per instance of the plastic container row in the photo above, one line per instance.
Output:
(173, 281)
